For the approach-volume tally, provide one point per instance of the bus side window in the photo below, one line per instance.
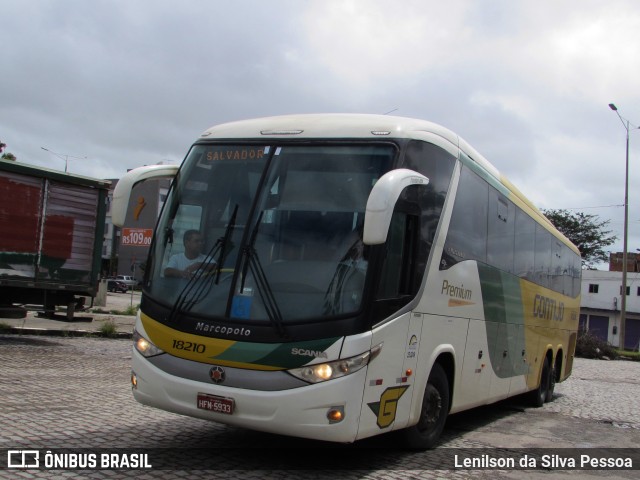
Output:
(467, 236)
(399, 277)
(543, 257)
(501, 232)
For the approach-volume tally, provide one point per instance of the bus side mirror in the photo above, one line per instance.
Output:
(122, 192)
(382, 200)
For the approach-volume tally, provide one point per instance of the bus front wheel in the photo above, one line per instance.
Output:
(433, 414)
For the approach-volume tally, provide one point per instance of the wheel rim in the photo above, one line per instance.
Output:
(431, 409)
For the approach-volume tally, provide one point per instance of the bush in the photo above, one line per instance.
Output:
(590, 346)
(108, 329)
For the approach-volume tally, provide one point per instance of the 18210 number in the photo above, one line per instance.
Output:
(189, 346)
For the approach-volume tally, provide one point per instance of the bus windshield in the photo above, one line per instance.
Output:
(266, 233)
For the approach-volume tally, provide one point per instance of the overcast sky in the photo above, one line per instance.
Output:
(527, 83)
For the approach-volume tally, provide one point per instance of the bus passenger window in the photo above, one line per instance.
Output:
(467, 236)
(500, 240)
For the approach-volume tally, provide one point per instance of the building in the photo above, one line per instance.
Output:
(111, 238)
(600, 306)
(616, 262)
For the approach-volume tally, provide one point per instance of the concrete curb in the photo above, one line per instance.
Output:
(64, 333)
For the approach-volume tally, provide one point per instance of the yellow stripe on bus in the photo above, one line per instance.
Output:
(194, 347)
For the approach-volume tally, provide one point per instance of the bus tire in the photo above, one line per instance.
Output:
(539, 395)
(552, 383)
(433, 412)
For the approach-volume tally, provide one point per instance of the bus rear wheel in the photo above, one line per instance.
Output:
(552, 380)
(540, 394)
(433, 414)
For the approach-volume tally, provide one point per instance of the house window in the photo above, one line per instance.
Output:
(628, 290)
(593, 288)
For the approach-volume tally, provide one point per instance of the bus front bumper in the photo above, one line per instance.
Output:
(301, 412)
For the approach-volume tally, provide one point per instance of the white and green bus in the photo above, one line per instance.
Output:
(360, 274)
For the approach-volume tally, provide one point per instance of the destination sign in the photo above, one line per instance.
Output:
(236, 153)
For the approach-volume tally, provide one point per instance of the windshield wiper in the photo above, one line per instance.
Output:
(195, 291)
(252, 262)
(226, 240)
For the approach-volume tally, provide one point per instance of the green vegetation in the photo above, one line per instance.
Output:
(108, 329)
(132, 310)
(587, 232)
(628, 355)
(590, 346)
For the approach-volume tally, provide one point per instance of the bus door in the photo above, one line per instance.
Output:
(519, 360)
(475, 380)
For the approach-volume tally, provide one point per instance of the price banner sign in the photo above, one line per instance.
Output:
(137, 237)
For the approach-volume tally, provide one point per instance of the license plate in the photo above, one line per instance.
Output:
(214, 403)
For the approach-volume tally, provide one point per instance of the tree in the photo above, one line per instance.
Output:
(587, 232)
(6, 156)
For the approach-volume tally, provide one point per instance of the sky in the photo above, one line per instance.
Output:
(109, 85)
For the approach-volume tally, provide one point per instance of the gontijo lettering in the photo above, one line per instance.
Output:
(547, 308)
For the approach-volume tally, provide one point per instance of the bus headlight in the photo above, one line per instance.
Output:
(144, 346)
(322, 372)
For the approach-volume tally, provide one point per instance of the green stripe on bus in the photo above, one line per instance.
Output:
(277, 355)
(504, 321)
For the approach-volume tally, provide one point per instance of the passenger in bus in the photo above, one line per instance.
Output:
(185, 264)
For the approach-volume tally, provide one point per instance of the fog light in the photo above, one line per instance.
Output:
(134, 380)
(335, 414)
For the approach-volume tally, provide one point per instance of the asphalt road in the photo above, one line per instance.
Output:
(74, 393)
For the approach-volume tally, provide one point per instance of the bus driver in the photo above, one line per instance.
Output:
(184, 265)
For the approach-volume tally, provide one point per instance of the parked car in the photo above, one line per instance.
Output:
(117, 286)
(127, 280)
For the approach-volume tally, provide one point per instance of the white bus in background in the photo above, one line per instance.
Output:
(361, 274)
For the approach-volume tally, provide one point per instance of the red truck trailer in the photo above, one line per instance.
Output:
(51, 235)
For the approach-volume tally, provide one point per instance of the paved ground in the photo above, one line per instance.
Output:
(74, 392)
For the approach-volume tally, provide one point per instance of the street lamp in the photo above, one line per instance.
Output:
(63, 157)
(623, 294)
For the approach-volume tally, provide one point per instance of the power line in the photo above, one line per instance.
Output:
(598, 206)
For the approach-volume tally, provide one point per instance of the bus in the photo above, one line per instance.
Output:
(355, 275)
